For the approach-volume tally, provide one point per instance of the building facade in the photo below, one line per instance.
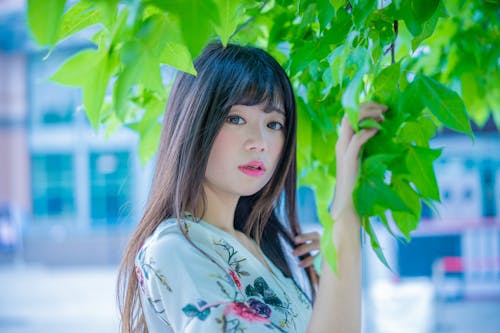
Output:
(68, 194)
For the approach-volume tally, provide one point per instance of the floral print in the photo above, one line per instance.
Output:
(236, 279)
(248, 312)
(233, 296)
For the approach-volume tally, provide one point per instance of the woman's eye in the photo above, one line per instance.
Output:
(235, 120)
(275, 125)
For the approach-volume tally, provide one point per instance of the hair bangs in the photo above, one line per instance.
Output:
(255, 86)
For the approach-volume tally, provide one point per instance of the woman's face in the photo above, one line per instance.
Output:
(246, 151)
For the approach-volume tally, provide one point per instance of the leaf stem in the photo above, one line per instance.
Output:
(247, 22)
(392, 48)
(393, 45)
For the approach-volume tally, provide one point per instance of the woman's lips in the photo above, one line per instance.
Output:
(251, 171)
(253, 168)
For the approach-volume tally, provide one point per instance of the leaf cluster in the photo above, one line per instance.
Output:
(410, 55)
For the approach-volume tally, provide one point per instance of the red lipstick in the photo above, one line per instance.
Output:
(253, 168)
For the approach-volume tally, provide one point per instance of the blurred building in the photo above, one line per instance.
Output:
(458, 243)
(67, 194)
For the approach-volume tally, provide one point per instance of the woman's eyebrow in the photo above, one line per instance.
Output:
(270, 109)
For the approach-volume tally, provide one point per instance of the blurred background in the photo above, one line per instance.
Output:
(70, 197)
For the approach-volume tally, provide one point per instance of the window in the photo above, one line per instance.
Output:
(53, 185)
(51, 103)
(110, 187)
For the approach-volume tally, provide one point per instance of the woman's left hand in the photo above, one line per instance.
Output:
(307, 243)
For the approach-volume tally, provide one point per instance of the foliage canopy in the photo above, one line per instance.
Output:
(434, 63)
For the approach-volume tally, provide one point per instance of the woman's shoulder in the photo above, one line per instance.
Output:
(173, 240)
(167, 237)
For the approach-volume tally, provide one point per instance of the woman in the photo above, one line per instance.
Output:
(212, 251)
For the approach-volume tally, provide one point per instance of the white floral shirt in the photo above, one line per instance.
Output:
(225, 289)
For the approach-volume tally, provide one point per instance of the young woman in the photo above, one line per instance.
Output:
(214, 251)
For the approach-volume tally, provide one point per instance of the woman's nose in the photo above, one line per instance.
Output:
(256, 141)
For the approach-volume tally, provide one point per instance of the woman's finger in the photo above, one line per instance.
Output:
(358, 141)
(376, 114)
(309, 236)
(372, 110)
(372, 106)
(345, 135)
(309, 261)
(306, 248)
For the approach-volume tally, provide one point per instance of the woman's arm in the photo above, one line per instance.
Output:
(338, 305)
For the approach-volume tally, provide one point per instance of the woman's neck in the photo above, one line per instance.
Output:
(219, 209)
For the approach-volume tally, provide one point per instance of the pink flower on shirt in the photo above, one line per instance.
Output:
(235, 278)
(244, 311)
(140, 278)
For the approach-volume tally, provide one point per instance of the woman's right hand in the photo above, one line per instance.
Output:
(347, 152)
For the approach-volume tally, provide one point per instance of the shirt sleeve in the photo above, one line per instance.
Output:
(183, 290)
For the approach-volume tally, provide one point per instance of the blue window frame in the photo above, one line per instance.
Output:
(110, 187)
(53, 185)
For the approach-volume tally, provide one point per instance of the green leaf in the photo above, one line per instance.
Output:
(337, 3)
(386, 83)
(475, 100)
(412, 22)
(304, 137)
(44, 19)
(350, 99)
(361, 10)
(177, 55)
(418, 132)
(196, 18)
(444, 103)
(369, 123)
(308, 17)
(410, 103)
(74, 72)
(341, 25)
(388, 226)
(108, 10)
(229, 12)
(428, 28)
(140, 67)
(374, 241)
(376, 165)
(109, 120)
(373, 192)
(148, 144)
(419, 162)
(95, 88)
(407, 221)
(91, 70)
(326, 13)
(302, 56)
(328, 248)
(153, 110)
(423, 9)
(358, 63)
(322, 183)
(154, 30)
(322, 143)
(82, 15)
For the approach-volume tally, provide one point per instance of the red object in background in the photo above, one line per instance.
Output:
(453, 264)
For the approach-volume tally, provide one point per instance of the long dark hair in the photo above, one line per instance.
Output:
(196, 110)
